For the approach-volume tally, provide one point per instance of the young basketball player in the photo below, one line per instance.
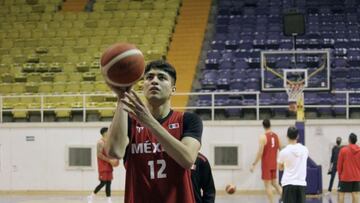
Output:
(161, 144)
(105, 168)
(348, 167)
(269, 146)
(293, 161)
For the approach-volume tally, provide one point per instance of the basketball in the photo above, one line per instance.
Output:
(122, 65)
(230, 189)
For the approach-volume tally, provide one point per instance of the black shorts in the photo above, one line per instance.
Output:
(349, 186)
(293, 194)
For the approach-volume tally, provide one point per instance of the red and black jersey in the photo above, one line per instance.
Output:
(271, 148)
(151, 174)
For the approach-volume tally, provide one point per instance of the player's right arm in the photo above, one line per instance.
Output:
(118, 133)
(281, 161)
(262, 142)
(340, 163)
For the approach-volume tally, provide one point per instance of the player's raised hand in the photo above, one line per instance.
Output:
(136, 108)
(119, 91)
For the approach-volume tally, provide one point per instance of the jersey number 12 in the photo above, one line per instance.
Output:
(160, 172)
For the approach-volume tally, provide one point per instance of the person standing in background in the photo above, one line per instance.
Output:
(293, 161)
(202, 180)
(333, 162)
(269, 146)
(105, 167)
(348, 167)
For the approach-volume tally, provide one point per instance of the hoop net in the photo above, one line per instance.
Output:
(294, 92)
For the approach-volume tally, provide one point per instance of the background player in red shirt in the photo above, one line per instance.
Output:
(348, 167)
(269, 146)
(161, 145)
(105, 167)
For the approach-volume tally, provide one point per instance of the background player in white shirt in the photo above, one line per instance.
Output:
(293, 160)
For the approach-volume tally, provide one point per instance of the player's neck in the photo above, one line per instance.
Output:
(292, 142)
(267, 130)
(160, 111)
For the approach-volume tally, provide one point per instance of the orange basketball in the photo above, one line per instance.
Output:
(122, 65)
(230, 189)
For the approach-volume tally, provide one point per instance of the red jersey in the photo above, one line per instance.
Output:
(151, 174)
(348, 165)
(104, 166)
(271, 148)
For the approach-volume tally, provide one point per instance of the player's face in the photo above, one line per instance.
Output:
(158, 85)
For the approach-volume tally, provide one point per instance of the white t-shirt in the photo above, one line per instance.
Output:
(294, 157)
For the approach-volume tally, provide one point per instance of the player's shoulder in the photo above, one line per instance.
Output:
(193, 118)
(191, 115)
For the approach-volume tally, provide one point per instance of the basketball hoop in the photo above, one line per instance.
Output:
(295, 92)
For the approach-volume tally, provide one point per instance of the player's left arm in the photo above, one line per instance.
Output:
(262, 142)
(183, 151)
(280, 143)
(280, 162)
(340, 163)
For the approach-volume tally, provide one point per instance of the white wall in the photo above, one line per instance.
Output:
(40, 165)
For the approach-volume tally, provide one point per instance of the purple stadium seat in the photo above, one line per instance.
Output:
(311, 98)
(214, 54)
(240, 63)
(217, 44)
(339, 99)
(231, 44)
(223, 79)
(354, 99)
(280, 98)
(226, 64)
(237, 85)
(211, 63)
(339, 84)
(266, 99)
(209, 78)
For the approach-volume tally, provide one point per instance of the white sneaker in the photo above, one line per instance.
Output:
(90, 199)
(109, 200)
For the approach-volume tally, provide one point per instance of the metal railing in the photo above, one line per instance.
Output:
(85, 105)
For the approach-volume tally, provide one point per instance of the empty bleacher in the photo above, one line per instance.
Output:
(245, 28)
(53, 47)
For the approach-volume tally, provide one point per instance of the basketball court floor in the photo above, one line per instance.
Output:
(222, 198)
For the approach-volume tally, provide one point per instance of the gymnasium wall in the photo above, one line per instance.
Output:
(40, 164)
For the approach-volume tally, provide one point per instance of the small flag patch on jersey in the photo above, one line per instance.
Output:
(174, 125)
